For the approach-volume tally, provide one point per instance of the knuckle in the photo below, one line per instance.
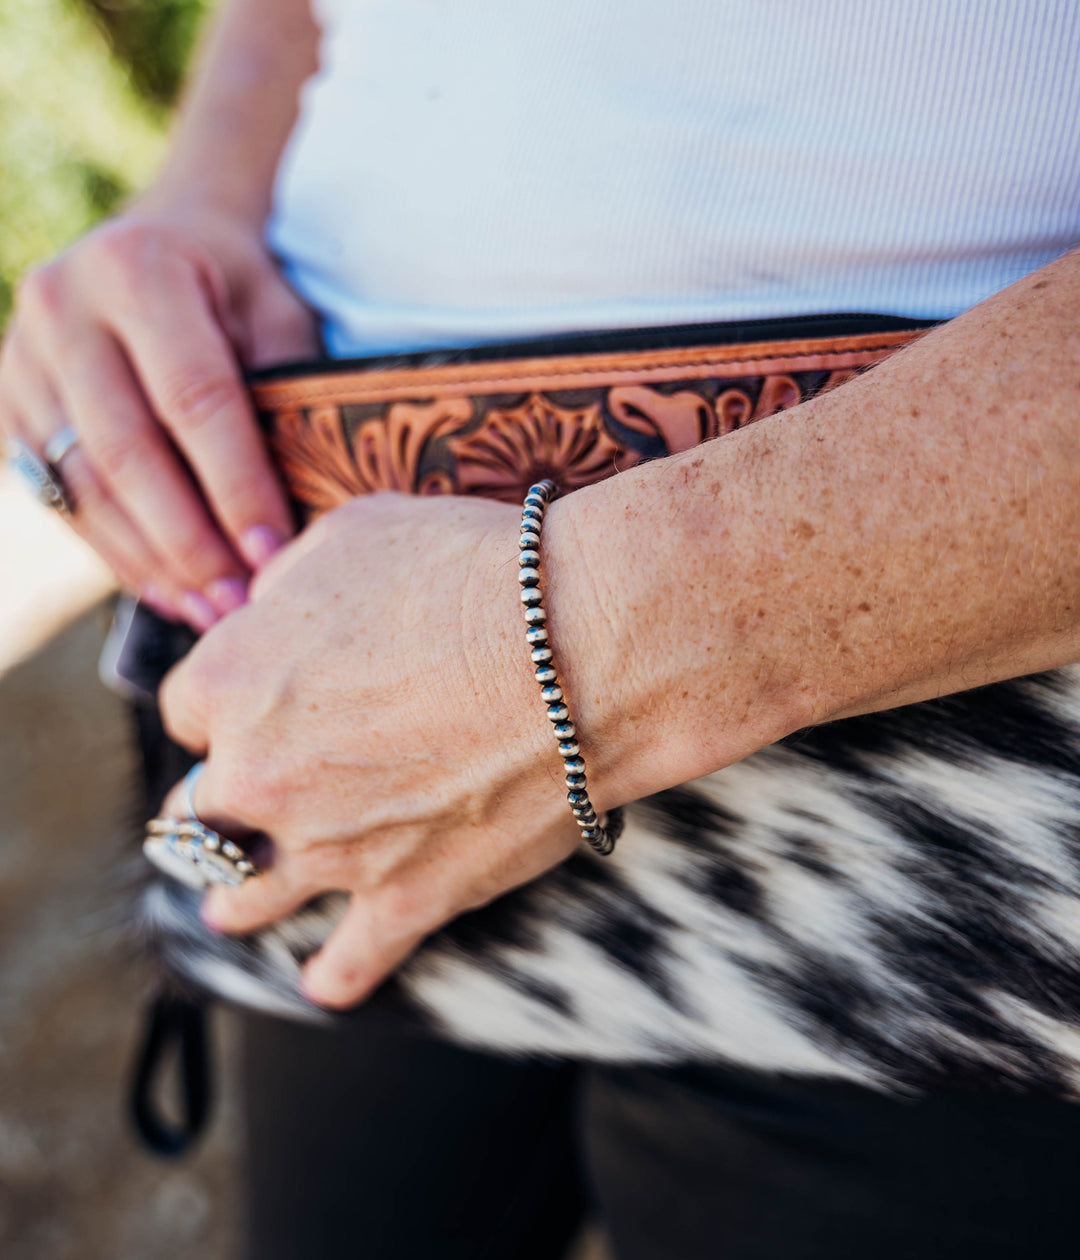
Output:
(122, 247)
(41, 293)
(197, 400)
(117, 453)
(131, 260)
(192, 687)
(209, 675)
(343, 982)
(399, 908)
(176, 708)
(193, 554)
(248, 789)
(237, 500)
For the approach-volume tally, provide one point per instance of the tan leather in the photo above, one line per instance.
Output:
(493, 427)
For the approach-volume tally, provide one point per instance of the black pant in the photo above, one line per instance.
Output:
(384, 1144)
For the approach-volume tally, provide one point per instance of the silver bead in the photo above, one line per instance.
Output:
(551, 693)
(532, 512)
(557, 712)
(575, 781)
(540, 655)
(531, 595)
(545, 674)
(577, 798)
(529, 538)
(528, 576)
(574, 765)
(535, 614)
(536, 634)
(587, 818)
(529, 557)
(569, 748)
(565, 730)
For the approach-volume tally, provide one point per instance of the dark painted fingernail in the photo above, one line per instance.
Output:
(154, 597)
(198, 610)
(260, 543)
(227, 594)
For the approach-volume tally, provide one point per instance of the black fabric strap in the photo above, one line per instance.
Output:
(181, 1023)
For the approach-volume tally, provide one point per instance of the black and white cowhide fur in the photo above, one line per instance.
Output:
(891, 899)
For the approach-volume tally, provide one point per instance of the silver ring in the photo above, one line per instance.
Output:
(42, 481)
(60, 444)
(196, 855)
(187, 790)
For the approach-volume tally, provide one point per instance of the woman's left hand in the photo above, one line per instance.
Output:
(373, 713)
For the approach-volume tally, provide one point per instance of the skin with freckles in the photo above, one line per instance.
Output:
(371, 712)
(439, 782)
(910, 534)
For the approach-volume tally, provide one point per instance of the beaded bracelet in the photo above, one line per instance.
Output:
(601, 835)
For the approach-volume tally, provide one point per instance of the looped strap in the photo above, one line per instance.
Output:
(181, 1023)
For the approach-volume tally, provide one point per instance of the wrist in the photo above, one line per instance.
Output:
(193, 203)
(668, 674)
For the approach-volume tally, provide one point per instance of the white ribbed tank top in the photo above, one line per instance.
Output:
(469, 170)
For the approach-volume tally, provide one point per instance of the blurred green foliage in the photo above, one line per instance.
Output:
(153, 39)
(85, 87)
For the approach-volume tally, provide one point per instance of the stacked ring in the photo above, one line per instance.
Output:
(190, 851)
(41, 478)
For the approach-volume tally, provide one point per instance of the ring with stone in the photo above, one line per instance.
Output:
(190, 851)
(43, 481)
(196, 855)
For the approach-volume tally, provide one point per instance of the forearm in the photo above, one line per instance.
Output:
(913, 533)
(238, 110)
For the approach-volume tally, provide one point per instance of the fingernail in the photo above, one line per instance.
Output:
(198, 610)
(259, 543)
(227, 594)
(154, 597)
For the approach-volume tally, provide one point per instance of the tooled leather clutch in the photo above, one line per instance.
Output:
(492, 420)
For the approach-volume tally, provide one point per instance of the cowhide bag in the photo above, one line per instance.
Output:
(891, 899)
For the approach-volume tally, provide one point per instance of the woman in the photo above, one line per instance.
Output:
(475, 176)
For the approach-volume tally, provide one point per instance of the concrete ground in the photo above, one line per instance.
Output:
(74, 1183)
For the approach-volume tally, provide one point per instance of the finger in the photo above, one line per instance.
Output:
(182, 706)
(281, 328)
(131, 454)
(257, 902)
(367, 945)
(382, 927)
(96, 517)
(190, 375)
(100, 521)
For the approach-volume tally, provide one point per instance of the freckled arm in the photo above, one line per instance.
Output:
(913, 533)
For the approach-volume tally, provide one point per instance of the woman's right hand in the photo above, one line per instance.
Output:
(136, 338)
